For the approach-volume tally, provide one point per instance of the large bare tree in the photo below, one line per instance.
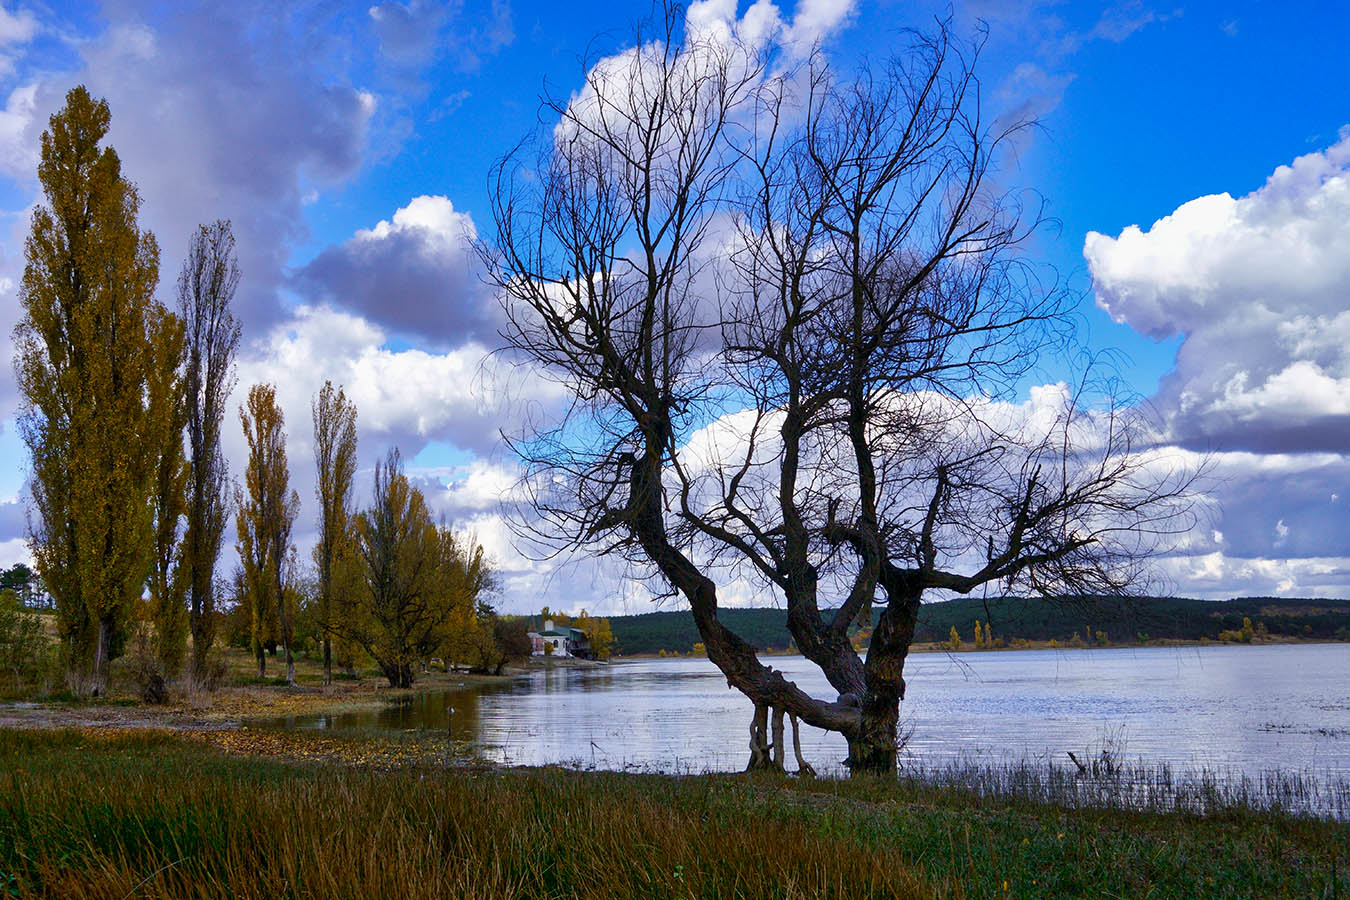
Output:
(206, 287)
(794, 314)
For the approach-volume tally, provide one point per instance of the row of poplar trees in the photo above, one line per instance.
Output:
(123, 404)
(392, 582)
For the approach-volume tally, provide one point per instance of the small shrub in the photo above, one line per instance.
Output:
(147, 670)
(22, 644)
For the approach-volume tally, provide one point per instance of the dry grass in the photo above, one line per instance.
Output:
(98, 814)
(148, 816)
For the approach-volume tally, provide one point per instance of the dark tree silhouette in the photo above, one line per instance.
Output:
(792, 311)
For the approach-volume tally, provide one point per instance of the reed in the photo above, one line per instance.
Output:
(150, 814)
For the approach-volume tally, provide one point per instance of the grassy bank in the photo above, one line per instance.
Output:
(241, 695)
(112, 815)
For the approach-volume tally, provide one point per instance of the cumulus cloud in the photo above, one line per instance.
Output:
(1218, 576)
(254, 119)
(404, 397)
(18, 156)
(1259, 286)
(415, 275)
(764, 22)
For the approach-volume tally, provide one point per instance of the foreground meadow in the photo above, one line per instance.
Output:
(98, 814)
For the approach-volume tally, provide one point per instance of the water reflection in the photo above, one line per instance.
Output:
(1248, 709)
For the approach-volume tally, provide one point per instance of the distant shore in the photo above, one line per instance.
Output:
(967, 647)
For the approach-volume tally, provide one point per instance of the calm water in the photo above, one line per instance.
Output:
(1246, 709)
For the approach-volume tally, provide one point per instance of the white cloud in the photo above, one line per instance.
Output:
(1217, 576)
(1259, 287)
(416, 274)
(403, 397)
(250, 124)
(18, 156)
(17, 27)
(814, 21)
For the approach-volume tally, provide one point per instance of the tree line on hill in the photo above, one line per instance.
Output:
(123, 405)
(1031, 619)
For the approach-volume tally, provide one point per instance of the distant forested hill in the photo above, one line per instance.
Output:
(1149, 618)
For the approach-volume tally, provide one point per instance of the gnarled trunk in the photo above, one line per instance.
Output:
(761, 751)
(874, 749)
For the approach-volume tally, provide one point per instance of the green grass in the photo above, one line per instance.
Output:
(96, 815)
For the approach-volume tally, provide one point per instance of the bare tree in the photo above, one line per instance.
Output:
(335, 458)
(206, 286)
(793, 311)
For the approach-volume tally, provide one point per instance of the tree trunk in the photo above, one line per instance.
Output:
(197, 624)
(875, 749)
(804, 768)
(327, 659)
(286, 635)
(102, 649)
(400, 675)
(760, 748)
(778, 748)
(262, 661)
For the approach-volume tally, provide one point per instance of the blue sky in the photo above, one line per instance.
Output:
(350, 144)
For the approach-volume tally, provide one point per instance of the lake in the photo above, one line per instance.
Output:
(1244, 709)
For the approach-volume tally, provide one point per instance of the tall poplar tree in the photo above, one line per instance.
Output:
(165, 583)
(206, 286)
(90, 336)
(335, 458)
(266, 514)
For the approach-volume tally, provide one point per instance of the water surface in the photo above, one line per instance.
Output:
(1245, 709)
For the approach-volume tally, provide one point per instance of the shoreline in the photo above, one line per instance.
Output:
(232, 706)
(927, 648)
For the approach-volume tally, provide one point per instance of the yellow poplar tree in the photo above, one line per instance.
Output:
(88, 340)
(266, 512)
(166, 584)
(335, 458)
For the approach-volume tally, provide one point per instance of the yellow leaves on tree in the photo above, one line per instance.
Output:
(265, 514)
(335, 459)
(94, 413)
